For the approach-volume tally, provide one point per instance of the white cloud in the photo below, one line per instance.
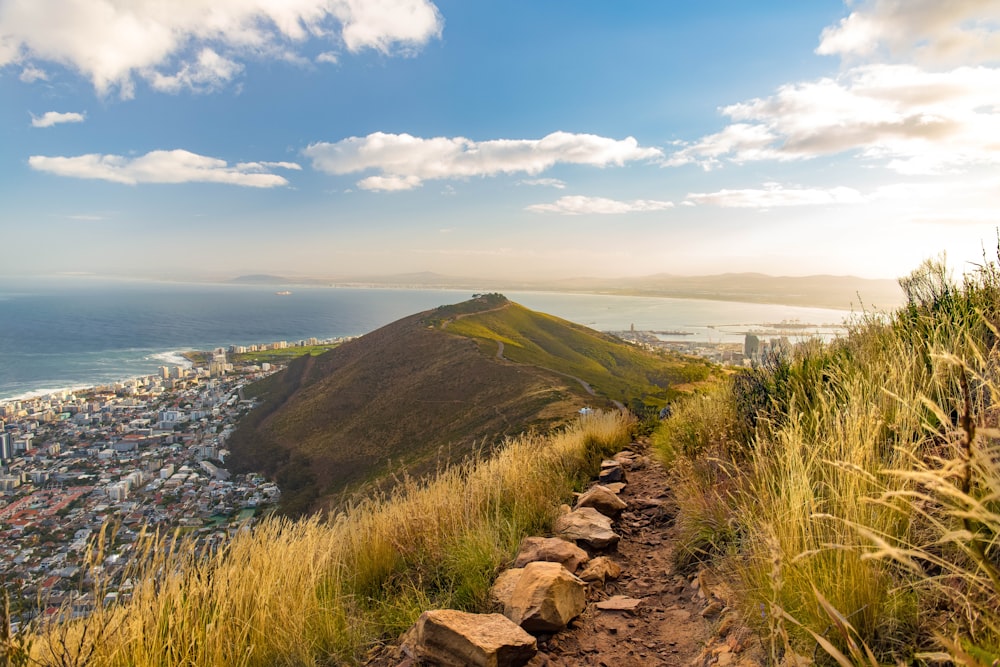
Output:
(176, 166)
(406, 161)
(31, 74)
(328, 57)
(911, 120)
(208, 72)
(86, 217)
(200, 41)
(774, 195)
(581, 205)
(389, 183)
(546, 182)
(903, 102)
(50, 118)
(933, 33)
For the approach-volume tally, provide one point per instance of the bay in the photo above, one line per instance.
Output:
(70, 332)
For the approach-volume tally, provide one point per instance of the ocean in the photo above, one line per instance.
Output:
(71, 332)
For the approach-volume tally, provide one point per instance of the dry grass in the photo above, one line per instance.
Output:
(324, 592)
(854, 491)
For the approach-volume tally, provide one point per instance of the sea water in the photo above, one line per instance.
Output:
(70, 332)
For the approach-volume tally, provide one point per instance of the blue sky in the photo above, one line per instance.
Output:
(211, 138)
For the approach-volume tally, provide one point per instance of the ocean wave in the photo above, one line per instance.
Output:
(38, 393)
(173, 358)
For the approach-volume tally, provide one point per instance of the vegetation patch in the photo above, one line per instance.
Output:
(614, 370)
(852, 489)
(326, 589)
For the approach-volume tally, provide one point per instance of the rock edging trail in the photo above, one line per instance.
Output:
(638, 611)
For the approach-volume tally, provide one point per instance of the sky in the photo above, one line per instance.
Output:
(517, 139)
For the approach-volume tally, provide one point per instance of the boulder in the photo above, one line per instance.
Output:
(586, 525)
(611, 471)
(603, 500)
(547, 597)
(503, 587)
(601, 569)
(551, 549)
(456, 639)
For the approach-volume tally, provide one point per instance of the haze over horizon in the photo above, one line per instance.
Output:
(517, 140)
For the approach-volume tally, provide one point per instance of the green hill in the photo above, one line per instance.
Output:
(432, 389)
(615, 371)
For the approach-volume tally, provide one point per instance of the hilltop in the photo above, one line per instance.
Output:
(434, 388)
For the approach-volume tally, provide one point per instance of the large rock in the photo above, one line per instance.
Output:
(547, 597)
(551, 549)
(586, 525)
(602, 499)
(611, 471)
(503, 587)
(458, 639)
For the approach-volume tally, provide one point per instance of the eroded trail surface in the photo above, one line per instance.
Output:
(666, 626)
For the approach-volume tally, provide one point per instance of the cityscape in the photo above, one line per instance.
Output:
(141, 455)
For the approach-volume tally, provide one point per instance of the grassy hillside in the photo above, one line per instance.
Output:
(615, 371)
(853, 491)
(316, 592)
(420, 393)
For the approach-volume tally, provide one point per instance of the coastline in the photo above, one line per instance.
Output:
(166, 358)
(84, 338)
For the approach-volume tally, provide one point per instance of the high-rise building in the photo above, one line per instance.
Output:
(6, 448)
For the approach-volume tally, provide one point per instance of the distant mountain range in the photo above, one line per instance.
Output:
(820, 290)
(434, 388)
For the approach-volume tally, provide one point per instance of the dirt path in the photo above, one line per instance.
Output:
(677, 622)
(583, 383)
(667, 627)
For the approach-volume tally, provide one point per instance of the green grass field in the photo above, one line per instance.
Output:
(282, 356)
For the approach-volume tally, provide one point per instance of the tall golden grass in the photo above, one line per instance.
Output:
(322, 592)
(853, 491)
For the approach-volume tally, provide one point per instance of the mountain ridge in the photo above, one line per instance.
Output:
(433, 388)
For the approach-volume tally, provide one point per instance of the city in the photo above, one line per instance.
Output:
(142, 455)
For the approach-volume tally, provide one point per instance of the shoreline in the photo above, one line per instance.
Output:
(172, 357)
(67, 371)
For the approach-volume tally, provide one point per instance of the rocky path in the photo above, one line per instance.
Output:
(666, 627)
(649, 615)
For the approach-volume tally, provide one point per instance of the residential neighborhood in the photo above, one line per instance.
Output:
(142, 455)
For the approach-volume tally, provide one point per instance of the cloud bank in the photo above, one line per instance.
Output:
(774, 195)
(199, 43)
(50, 118)
(581, 205)
(933, 33)
(176, 166)
(405, 161)
(902, 104)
